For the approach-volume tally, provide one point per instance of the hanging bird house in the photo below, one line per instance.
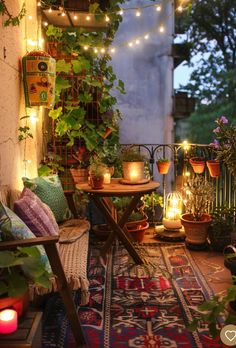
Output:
(39, 74)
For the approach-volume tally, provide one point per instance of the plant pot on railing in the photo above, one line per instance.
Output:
(198, 164)
(214, 168)
(163, 165)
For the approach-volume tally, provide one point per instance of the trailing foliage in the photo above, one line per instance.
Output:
(11, 19)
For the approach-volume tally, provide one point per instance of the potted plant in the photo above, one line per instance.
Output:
(153, 207)
(17, 269)
(97, 169)
(214, 168)
(222, 225)
(133, 165)
(80, 163)
(200, 194)
(137, 225)
(163, 165)
(198, 164)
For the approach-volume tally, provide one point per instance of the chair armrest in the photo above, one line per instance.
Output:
(69, 196)
(28, 242)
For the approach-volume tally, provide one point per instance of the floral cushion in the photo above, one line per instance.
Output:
(35, 214)
(50, 191)
(14, 228)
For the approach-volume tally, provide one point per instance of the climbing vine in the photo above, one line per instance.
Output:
(11, 19)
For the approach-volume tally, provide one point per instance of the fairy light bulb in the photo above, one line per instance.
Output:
(130, 44)
(121, 12)
(33, 116)
(30, 18)
(158, 8)
(88, 18)
(161, 29)
(113, 50)
(102, 50)
(180, 8)
(50, 10)
(146, 36)
(85, 48)
(45, 24)
(63, 14)
(138, 13)
(137, 42)
(75, 17)
(39, 3)
(107, 19)
(95, 50)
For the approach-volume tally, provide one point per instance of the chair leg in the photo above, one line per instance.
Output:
(65, 293)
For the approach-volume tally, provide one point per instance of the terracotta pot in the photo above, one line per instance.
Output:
(135, 224)
(108, 131)
(198, 164)
(138, 232)
(214, 168)
(163, 167)
(196, 231)
(97, 182)
(79, 175)
(20, 303)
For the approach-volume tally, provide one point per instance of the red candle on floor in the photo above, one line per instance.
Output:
(8, 321)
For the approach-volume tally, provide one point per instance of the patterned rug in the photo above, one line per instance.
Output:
(136, 306)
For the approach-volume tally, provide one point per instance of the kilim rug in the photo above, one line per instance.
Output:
(136, 306)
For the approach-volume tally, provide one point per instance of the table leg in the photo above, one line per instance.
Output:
(118, 227)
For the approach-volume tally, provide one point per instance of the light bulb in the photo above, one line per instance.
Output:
(113, 50)
(180, 8)
(146, 36)
(45, 24)
(107, 19)
(63, 14)
(75, 17)
(161, 29)
(87, 18)
(39, 3)
(130, 44)
(138, 13)
(85, 48)
(50, 10)
(121, 12)
(137, 42)
(30, 18)
(158, 8)
(102, 50)
(95, 50)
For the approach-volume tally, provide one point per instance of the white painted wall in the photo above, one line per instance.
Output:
(146, 70)
(12, 107)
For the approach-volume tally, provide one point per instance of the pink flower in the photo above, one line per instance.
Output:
(223, 120)
(216, 130)
(215, 143)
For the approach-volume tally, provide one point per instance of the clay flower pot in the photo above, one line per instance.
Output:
(138, 231)
(79, 175)
(196, 231)
(96, 182)
(214, 168)
(163, 167)
(198, 164)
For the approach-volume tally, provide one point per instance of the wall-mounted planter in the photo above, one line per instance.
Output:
(198, 164)
(163, 167)
(214, 168)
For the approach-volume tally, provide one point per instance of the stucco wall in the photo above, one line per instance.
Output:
(12, 107)
(146, 70)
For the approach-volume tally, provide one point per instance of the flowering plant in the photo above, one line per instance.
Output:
(225, 143)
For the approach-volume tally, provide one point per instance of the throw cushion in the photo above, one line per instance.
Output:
(50, 191)
(14, 228)
(35, 214)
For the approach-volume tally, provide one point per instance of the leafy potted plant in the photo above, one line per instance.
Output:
(222, 225)
(97, 169)
(200, 194)
(79, 168)
(163, 165)
(133, 165)
(198, 164)
(17, 269)
(153, 207)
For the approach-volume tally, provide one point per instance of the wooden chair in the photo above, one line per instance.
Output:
(49, 244)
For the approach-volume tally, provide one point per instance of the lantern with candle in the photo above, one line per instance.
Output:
(133, 166)
(173, 210)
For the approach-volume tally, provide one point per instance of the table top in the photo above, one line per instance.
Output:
(115, 188)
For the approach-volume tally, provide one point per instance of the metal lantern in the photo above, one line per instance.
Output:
(39, 74)
(173, 210)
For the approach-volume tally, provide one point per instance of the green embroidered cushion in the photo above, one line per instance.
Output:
(50, 191)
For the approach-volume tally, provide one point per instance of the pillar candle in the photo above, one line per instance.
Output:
(8, 321)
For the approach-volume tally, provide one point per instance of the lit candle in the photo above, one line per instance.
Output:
(8, 321)
(107, 178)
(134, 175)
(173, 211)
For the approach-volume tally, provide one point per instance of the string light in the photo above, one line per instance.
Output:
(138, 13)
(39, 3)
(130, 44)
(63, 14)
(180, 8)
(88, 18)
(102, 50)
(113, 50)
(121, 12)
(45, 24)
(161, 29)
(95, 50)
(137, 42)
(30, 18)
(107, 19)
(85, 48)
(75, 17)
(146, 36)
(158, 8)
(50, 10)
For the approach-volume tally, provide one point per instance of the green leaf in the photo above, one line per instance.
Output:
(85, 97)
(8, 259)
(93, 7)
(55, 114)
(61, 84)
(44, 170)
(80, 64)
(62, 66)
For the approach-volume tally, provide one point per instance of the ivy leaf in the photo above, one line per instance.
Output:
(85, 97)
(62, 66)
(61, 84)
(93, 7)
(80, 64)
(54, 114)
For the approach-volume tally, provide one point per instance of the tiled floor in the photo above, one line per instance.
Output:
(210, 263)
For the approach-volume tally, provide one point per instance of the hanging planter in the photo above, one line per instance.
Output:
(163, 165)
(198, 164)
(214, 168)
(39, 73)
(108, 131)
